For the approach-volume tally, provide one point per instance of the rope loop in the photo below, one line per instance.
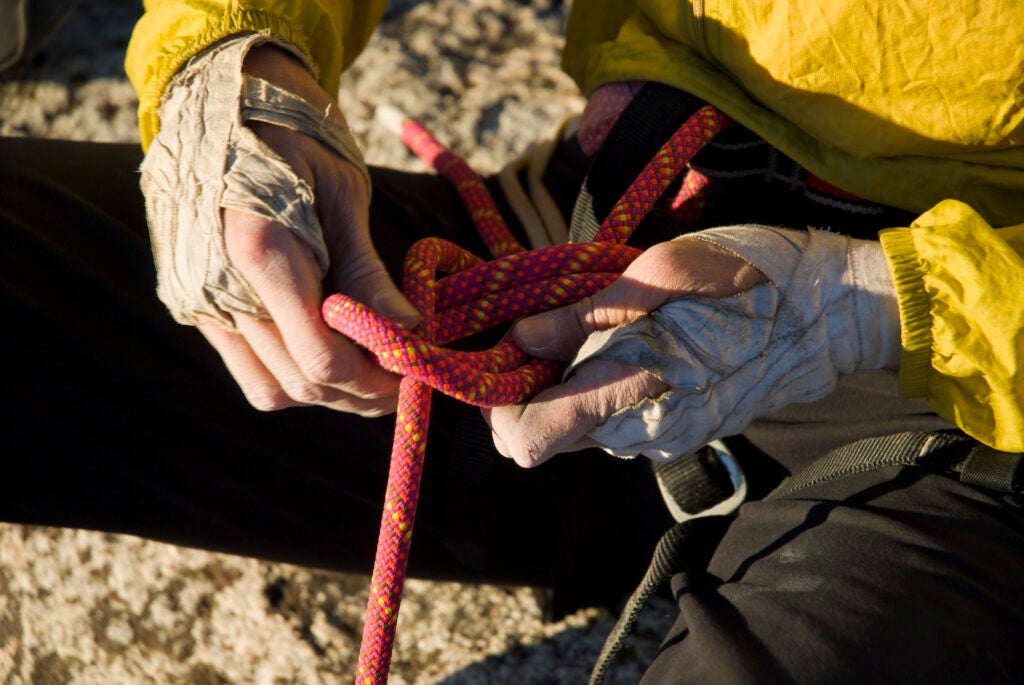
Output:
(482, 295)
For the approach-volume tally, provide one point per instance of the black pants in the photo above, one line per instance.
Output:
(892, 575)
(117, 419)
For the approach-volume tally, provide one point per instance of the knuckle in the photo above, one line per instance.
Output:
(248, 247)
(522, 449)
(253, 245)
(664, 259)
(661, 253)
(353, 192)
(593, 314)
(517, 435)
(267, 398)
(325, 367)
(587, 314)
(375, 412)
(383, 397)
(305, 393)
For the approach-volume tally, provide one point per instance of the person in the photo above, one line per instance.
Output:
(897, 559)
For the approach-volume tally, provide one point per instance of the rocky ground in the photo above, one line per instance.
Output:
(84, 607)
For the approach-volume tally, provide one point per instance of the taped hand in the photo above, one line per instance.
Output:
(699, 337)
(258, 199)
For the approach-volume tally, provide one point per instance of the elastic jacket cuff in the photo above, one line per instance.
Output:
(915, 310)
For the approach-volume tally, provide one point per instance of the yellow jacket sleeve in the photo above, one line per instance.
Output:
(960, 285)
(330, 33)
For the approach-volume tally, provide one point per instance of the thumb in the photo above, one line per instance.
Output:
(663, 272)
(356, 268)
(372, 286)
(558, 334)
(389, 301)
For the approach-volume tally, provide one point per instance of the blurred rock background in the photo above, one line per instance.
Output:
(87, 607)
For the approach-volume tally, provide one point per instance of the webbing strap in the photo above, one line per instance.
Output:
(949, 452)
(695, 482)
(654, 114)
(992, 469)
(687, 546)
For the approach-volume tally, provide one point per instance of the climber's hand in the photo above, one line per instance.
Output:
(560, 418)
(743, 321)
(265, 322)
(294, 358)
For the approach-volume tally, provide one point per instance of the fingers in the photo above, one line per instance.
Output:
(285, 386)
(558, 419)
(309, 362)
(358, 271)
(284, 275)
(664, 272)
(291, 357)
(300, 355)
(301, 385)
(260, 387)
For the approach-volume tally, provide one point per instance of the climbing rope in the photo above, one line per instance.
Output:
(476, 295)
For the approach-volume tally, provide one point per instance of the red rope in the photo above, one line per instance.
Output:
(474, 296)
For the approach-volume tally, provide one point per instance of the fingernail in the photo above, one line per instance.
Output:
(396, 308)
(537, 332)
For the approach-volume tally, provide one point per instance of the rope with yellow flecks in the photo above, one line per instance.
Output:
(476, 295)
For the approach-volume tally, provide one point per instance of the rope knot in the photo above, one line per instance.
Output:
(473, 296)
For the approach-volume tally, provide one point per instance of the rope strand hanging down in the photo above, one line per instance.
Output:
(474, 296)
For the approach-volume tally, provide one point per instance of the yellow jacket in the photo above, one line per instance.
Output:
(917, 105)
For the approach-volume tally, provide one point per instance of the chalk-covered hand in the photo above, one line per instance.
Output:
(258, 199)
(699, 337)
